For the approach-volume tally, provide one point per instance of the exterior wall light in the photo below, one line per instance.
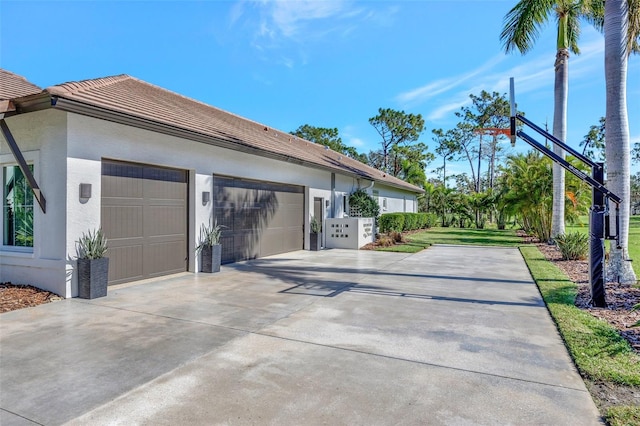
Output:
(85, 190)
(206, 197)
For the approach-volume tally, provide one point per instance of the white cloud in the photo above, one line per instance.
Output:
(531, 73)
(445, 109)
(356, 142)
(423, 93)
(350, 139)
(277, 24)
(296, 20)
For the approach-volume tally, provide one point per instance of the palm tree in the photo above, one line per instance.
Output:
(529, 197)
(621, 34)
(521, 29)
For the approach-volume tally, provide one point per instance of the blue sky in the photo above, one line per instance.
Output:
(324, 63)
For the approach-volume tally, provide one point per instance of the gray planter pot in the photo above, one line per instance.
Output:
(211, 257)
(93, 275)
(315, 241)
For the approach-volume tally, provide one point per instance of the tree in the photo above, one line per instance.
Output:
(395, 128)
(489, 111)
(621, 35)
(447, 147)
(593, 142)
(635, 193)
(465, 140)
(409, 163)
(327, 137)
(530, 195)
(521, 29)
(635, 153)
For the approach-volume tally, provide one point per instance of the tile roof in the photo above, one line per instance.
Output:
(14, 86)
(133, 97)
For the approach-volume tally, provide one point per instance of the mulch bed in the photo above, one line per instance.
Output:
(15, 296)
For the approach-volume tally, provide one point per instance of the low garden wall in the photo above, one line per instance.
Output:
(349, 233)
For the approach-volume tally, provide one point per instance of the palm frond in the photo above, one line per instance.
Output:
(573, 28)
(593, 12)
(633, 29)
(523, 23)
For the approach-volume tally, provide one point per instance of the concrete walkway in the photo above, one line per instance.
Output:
(451, 335)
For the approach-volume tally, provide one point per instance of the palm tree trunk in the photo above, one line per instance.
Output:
(559, 131)
(617, 144)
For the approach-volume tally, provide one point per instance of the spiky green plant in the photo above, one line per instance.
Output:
(210, 235)
(573, 245)
(92, 245)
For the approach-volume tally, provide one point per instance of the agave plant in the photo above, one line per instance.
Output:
(92, 245)
(210, 235)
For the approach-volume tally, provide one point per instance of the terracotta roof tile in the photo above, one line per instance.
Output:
(134, 97)
(14, 86)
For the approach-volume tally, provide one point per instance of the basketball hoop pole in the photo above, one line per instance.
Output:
(599, 212)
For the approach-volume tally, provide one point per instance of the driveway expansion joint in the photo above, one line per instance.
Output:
(413, 361)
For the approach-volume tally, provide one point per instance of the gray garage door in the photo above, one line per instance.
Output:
(144, 217)
(260, 218)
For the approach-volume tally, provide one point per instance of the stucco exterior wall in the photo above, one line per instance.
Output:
(392, 200)
(41, 137)
(67, 149)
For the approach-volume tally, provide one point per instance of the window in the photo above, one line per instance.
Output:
(17, 208)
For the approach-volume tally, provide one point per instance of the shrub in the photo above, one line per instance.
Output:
(423, 220)
(364, 203)
(396, 237)
(573, 246)
(406, 221)
(385, 241)
(410, 221)
(391, 222)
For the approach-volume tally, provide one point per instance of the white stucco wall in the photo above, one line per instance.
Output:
(41, 137)
(67, 149)
(396, 200)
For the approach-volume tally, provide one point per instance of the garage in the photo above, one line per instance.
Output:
(260, 218)
(144, 217)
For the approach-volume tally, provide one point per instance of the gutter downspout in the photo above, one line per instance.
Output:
(373, 182)
(17, 154)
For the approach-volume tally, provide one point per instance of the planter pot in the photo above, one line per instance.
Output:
(315, 241)
(211, 257)
(93, 275)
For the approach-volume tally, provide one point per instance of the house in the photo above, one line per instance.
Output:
(151, 167)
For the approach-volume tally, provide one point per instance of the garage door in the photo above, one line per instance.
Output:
(260, 218)
(144, 217)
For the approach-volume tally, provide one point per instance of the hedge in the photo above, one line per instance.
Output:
(392, 222)
(397, 222)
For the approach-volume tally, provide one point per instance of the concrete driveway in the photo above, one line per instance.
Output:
(451, 335)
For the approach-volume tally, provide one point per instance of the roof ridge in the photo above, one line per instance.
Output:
(82, 85)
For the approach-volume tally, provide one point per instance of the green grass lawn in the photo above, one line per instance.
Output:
(634, 238)
(482, 237)
(599, 352)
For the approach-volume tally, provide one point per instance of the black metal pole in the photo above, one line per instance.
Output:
(597, 276)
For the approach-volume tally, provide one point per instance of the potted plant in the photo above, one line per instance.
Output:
(316, 234)
(210, 248)
(93, 267)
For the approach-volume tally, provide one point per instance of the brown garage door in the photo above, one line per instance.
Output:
(144, 217)
(260, 218)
